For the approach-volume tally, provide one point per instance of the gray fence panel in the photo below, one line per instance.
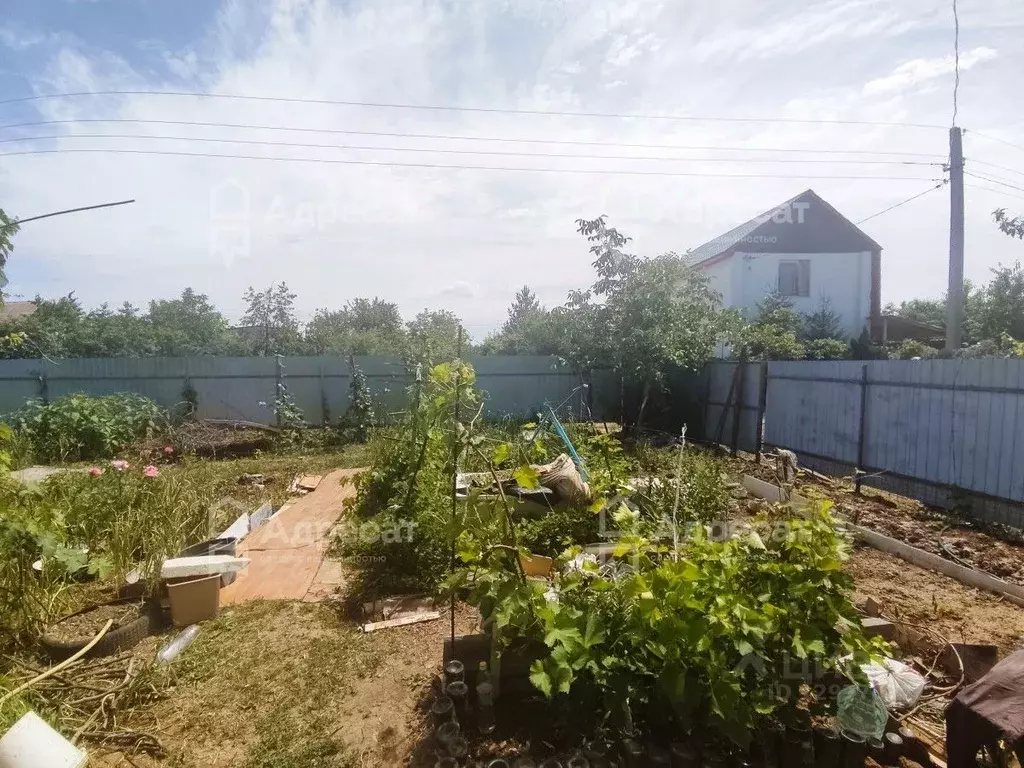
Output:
(814, 408)
(720, 408)
(245, 387)
(950, 422)
(20, 380)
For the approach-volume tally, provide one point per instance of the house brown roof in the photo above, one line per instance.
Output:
(13, 310)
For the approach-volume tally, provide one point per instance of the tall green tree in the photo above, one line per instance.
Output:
(655, 313)
(189, 325)
(361, 327)
(434, 336)
(270, 322)
(1003, 311)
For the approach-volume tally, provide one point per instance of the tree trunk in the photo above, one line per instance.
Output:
(643, 405)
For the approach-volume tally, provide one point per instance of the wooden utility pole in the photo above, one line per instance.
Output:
(955, 290)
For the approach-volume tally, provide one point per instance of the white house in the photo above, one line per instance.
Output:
(806, 250)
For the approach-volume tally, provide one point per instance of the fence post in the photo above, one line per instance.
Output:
(762, 404)
(278, 376)
(863, 424)
(737, 414)
(44, 384)
(705, 426)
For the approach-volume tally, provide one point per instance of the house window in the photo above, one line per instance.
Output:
(795, 278)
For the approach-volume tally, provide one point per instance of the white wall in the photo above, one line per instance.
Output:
(845, 278)
(720, 278)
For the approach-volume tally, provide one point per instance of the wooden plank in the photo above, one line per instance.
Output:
(402, 621)
(205, 565)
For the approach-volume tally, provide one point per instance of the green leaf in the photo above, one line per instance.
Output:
(527, 477)
(501, 454)
(594, 632)
(744, 647)
(798, 646)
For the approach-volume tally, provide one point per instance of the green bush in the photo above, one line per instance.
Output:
(80, 427)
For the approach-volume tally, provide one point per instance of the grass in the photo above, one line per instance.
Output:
(260, 683)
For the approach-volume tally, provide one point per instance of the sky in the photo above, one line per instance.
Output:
(364, 217)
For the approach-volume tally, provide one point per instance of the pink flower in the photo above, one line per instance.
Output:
(168, 450)
(95, 471)
(119, 464)
(151, 471)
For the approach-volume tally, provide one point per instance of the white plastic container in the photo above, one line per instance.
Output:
(32, 743)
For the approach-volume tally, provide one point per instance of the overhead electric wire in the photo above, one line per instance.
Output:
(993, 138)
(456, 108)
(993, 181)
(459, 137)
(995, 165)
(19, 222)
(904, 202)
(439, 150)
(381, 163)
(999, 192)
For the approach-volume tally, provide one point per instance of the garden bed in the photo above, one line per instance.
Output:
(995, 551)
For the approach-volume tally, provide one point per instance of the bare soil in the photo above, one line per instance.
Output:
(943, 605)
(933, 530)
(85, 626)
(209, 440)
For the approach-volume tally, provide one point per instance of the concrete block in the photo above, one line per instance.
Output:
(878, 627)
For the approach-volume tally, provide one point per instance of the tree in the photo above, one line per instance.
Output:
(1003, 311)
(270, 316)
(434, 336)
(1014, 227)
(361, 327)
(189, 325)
(657, 312)
(524, 306)
(530, 329)
(106, 333)
(823, 323)
(8, 229)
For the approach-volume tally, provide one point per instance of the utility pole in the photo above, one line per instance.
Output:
(955, 290)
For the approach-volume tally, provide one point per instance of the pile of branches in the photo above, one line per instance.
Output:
(91, 700)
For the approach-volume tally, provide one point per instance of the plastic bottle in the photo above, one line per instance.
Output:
(454, 671)
(180, 642)
(484, 700)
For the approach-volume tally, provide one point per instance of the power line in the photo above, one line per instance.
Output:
(487, 110)
(462, 151)
(998, 141)
(999, 192)
(994, 165)
(904, 202)
(380, 163)
(457, 137)
(19, 222)
(993, 181)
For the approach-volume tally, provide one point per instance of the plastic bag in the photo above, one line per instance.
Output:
(859, 710)
(898, 686)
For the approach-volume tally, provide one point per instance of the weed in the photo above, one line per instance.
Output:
(287, 742)
(81, 427)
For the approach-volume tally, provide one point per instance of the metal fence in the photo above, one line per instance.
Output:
(244, 387)
(943, 431)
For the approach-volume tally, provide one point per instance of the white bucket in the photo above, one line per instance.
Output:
(32, 743)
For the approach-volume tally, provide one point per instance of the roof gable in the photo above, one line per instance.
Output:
(803, 224)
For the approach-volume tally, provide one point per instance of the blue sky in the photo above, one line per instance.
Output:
(466, 239)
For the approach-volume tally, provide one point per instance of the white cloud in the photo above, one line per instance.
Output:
(468, 239)
(913, 73)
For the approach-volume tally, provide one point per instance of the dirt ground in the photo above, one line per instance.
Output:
(999, 552)
(944, 605)
(291, 685)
